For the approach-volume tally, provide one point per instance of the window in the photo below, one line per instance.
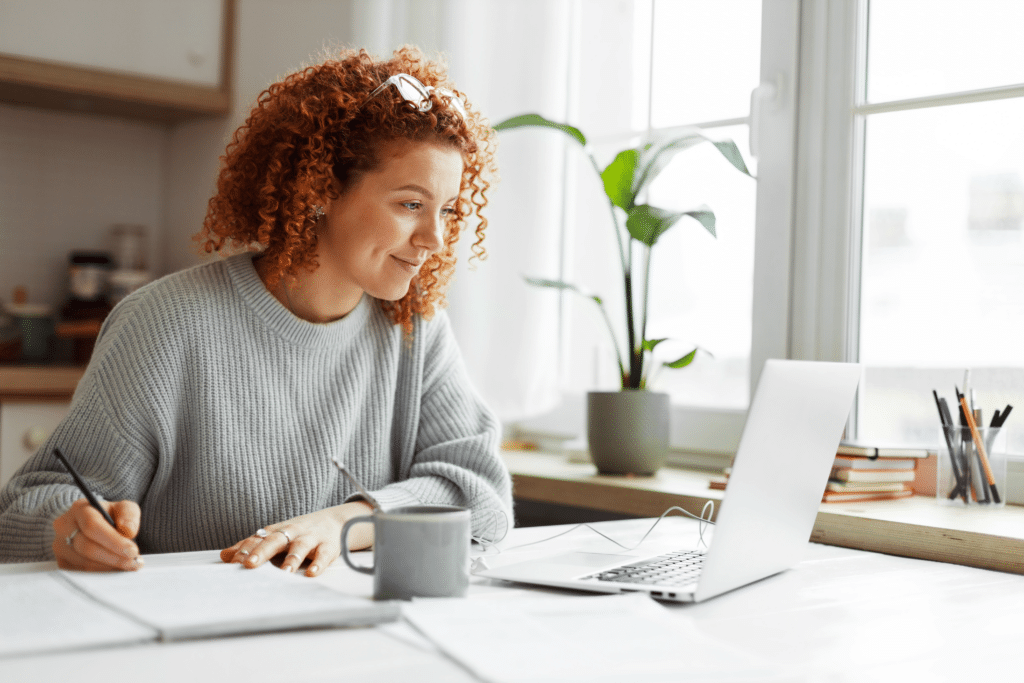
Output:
(889, 202)
(682, 64)
(910, 206)
(943, 216)
(694, 64)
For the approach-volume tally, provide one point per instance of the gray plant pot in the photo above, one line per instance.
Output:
(628, 430)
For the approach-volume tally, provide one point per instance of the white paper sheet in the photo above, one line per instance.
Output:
(40, 612)
(219, 599)
(592, 638)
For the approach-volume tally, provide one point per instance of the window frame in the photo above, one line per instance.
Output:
(708, 437)
(806, 299)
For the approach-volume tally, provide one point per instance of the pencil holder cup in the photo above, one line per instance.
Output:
(971, 470)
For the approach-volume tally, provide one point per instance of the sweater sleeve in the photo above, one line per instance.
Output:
(100, 436)
(456, 459)
(42, 490)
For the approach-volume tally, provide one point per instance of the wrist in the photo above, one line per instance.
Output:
(355, 508)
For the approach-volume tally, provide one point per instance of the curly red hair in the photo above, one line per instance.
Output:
(317, 125)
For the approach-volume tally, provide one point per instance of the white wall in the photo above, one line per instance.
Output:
(271, 39)
(65, 179)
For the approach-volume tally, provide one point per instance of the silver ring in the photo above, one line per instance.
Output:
(71, 537)
(262, 533)
(285, 534)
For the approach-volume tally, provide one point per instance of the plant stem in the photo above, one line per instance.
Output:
(646, 302)
(626, 276)
(635, 353)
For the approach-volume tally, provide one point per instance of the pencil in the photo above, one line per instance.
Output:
(355, 482)
(981, 449)
(81, 485)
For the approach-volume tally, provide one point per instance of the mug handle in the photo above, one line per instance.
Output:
(365, 519)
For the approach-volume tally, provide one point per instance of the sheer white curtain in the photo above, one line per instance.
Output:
(510, 58)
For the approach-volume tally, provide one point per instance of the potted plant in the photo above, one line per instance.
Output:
(628, 430)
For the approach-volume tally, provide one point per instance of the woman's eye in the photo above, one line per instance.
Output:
(412, 206)
(447, 211)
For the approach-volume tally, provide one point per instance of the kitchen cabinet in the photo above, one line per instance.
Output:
(33, 401)
(24, 426)
(149, 59)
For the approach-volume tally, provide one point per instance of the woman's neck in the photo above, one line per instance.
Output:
(312, 296)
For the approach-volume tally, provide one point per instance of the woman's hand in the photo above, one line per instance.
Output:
(315, 536)
(84, 540)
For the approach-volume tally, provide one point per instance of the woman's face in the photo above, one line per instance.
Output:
(390, 220)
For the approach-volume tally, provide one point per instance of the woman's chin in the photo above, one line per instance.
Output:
(392, 292)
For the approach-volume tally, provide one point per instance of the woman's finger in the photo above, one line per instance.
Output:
(99, 531)
(325, 554)
(270, 545)
(94, 555)
(228, 554)
(297, 553)
(127, 515)
(241, 550)
(79, 563)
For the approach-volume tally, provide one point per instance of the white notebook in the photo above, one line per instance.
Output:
(46, 611)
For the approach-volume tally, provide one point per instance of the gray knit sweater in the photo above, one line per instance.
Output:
(218, 411)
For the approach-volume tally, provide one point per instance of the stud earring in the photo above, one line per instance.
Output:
(316, 212)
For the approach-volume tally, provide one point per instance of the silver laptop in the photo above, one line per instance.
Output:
(789, 441)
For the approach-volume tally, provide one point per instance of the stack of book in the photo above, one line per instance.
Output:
(862, 473)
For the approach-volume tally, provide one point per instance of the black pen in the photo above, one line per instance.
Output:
(947, 432)
(81, 485)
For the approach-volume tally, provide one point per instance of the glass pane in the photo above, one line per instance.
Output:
(943, 264)
(928, 47)
(707, 58)
(702, 286)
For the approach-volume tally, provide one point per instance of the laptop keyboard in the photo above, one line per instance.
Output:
(673, 569)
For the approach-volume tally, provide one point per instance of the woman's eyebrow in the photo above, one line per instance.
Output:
(422, 190)
(416, 188)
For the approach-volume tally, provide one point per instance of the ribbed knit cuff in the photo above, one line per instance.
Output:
(390, 497)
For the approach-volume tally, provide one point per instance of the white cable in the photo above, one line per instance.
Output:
(708, 510)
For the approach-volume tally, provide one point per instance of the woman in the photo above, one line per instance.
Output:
(217, 396)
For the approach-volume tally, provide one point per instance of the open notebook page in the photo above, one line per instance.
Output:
(580, 639)
(222, 599)
(44, 613)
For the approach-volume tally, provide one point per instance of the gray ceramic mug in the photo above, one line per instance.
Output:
(420, 551)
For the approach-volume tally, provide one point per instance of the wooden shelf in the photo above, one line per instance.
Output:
(919, 527)
(63, 86)
(38, 382)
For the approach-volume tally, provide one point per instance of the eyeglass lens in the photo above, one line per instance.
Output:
(416, 93)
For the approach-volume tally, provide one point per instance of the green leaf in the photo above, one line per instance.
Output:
(649, 344)
(647, 223)
(731, 152)
(682, 362)
(559, 284)
(526, 120)
(705, 216)
(656, 155)
(618, 178)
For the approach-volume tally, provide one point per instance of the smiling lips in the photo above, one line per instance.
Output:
(410, 266)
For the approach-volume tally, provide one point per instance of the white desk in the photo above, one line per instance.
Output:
(840, 615)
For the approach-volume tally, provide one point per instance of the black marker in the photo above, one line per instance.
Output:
(1005, 414)
(947, 431)
(81, 485)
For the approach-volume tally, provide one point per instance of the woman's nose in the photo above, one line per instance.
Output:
(431, 234)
